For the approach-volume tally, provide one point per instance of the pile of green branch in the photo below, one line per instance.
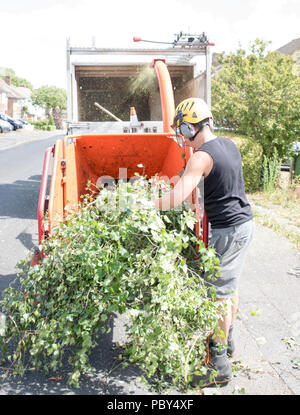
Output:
(116, 254)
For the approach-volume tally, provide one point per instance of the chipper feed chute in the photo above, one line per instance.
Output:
(88, 157)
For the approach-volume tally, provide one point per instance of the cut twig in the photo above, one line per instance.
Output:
(107, 112)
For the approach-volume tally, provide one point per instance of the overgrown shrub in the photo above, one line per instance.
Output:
(116, 253)
(258, 94)
(46, 125)
(252, 159)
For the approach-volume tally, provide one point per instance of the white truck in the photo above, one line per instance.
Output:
(99, 83)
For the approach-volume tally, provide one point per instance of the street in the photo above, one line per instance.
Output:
(267, 330)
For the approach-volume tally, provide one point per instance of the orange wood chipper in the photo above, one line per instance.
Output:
(79, 158)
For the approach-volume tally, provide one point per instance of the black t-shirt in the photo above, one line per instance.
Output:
(225, 201)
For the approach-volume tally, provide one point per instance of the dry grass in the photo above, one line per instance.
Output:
(279, 211)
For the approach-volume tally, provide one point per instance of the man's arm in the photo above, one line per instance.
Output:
(198, 165)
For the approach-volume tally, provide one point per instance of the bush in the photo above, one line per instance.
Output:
(106, 259)
(51, 120)
(46, 125)
(252, 159)
(258, 95)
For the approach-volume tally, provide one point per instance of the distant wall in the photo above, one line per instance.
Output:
(193, 88)
(3, 102)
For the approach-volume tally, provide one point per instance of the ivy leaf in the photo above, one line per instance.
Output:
(96, 266)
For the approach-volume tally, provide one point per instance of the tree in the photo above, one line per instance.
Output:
(53, 100)
(258, 95)
(15, 80)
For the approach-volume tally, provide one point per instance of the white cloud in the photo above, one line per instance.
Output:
(36, 35)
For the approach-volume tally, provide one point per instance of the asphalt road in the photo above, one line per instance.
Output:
(20, 176)
(267, 330)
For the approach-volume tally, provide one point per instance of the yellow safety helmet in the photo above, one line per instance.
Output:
(188, 112)
(194, 110)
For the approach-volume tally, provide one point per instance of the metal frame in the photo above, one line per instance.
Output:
(42, 196)
(183, 52)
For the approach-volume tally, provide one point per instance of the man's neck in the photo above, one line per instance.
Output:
(205, 136)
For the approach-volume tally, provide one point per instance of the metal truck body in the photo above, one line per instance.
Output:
(101, 75)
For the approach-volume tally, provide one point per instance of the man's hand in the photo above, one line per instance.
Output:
(200, 164)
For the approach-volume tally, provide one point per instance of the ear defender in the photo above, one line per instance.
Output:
(188, 130)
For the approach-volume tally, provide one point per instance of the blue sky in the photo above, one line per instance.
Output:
(34, 32)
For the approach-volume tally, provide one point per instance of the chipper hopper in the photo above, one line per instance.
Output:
(88, 157)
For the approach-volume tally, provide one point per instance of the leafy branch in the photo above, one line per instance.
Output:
(112, 256)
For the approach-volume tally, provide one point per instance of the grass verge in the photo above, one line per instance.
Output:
(279, 211)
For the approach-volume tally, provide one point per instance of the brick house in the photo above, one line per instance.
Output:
(11, 99)
(14, 99)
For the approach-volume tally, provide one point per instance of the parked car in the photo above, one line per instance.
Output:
(5, 127)
(21, 121)
(287, 165)
(14, 123)
(26, 125)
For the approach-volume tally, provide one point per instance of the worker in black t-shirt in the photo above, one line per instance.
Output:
(218, 160)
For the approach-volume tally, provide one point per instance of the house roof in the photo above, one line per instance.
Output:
(290, 47)
(12, 91)
(26, 92)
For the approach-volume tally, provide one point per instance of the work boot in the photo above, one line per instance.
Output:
(218, 362)
(230, 343)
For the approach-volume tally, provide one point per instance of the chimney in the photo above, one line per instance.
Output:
(8, 79)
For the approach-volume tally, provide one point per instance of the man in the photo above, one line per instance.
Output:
(228, 212)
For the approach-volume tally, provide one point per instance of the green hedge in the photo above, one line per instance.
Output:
(252, 159)
(46, 125)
